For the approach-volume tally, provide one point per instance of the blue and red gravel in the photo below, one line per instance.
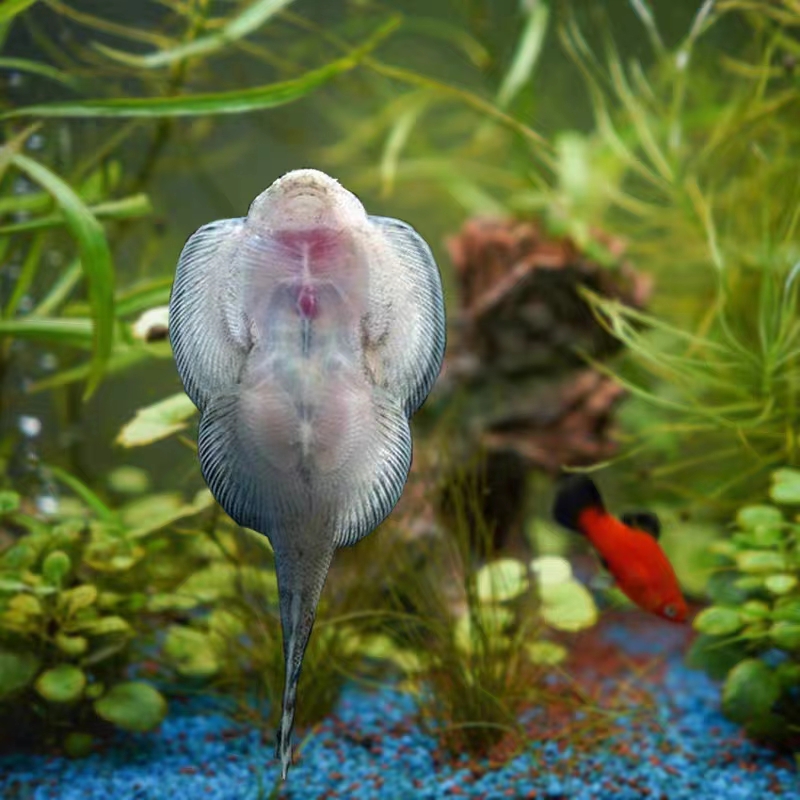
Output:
(653, 730)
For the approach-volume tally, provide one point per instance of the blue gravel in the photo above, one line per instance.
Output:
(371, 748)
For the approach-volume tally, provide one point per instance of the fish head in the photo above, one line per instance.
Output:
(673, 608)
(307, 199)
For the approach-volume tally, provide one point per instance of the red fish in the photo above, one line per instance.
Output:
(628, 547)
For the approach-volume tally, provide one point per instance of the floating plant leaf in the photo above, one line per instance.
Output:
(62, 684)
(501, 580)
(132, 706)
(750, 691)
(785, 486)
(17, 670)
(157, 421)
(718, 621)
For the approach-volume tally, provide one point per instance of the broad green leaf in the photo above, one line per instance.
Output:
(129, 480)
(714, 654)
(158, 421)
(233, 102)
(785, 486)
(163, 510)
(551, 569)
(546, 653)
(750, 691)
(718, 621)
(9, 501)
(780, 583)
(786, 635)
(249, 20)
(10, 8)
(17, 670)
(567, 606)
(754, 611)
(71, 645)
(95, 259)
(104, 626)
(62, 684)
(132, 706)
(190, 651)
(501, 580)
(751, 517)
(73, 600)
(56, 566)
(171, 602)
(787, 609)
(760, 561)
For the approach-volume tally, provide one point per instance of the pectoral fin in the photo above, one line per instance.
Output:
(208, 338)
(413, 335)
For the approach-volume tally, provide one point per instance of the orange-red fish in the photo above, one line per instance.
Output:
(627, 546)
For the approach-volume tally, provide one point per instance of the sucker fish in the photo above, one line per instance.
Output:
(628, 547)
(307, 334)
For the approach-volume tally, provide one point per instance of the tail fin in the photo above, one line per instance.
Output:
(575, 493)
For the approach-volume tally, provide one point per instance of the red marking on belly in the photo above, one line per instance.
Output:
(307, 302)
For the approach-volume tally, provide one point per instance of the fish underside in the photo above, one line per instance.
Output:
(307, 334)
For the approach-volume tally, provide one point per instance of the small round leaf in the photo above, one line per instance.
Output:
(718, 621)
(786, 635)
(62, 684)
(781, 583)
(133, 706)
(750, 691)
(55, 567)
(501, 580)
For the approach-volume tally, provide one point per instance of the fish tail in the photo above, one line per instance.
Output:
(574, 495)
(301, 575)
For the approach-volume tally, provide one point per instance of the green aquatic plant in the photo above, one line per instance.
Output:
(81, 596)
(750, 635)
(472, 633)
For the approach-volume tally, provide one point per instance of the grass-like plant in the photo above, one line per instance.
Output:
(470, 630)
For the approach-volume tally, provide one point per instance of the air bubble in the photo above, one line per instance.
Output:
(29, 426)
